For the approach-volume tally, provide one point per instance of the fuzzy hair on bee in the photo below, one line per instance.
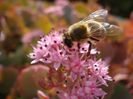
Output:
(91, 29)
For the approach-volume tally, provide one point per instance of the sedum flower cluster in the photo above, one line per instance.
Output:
(80, 76)
(58, 8)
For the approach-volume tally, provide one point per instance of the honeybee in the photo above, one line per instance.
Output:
(91, 29)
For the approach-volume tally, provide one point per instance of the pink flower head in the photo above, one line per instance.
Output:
(41, 95)
(87, 89)
(76, 65)
(49, 50)
(100, 70)
(39, 54)
(83, 74)
(27, 38)
(58, 8)
(62, 2)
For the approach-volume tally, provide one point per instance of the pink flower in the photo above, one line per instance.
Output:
(83, 74)
(49, 50)
(87, 89)
(27, 38)
(41, 95)
(39, 54)
(62, 2)
(92, 88)
(58, 57)
(84, 48)
(58, 8)
(76, 65)
(100, 70)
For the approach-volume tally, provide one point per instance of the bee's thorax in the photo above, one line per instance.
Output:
(78, 33)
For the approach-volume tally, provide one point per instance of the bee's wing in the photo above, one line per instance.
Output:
(112, 30)
(99, 15)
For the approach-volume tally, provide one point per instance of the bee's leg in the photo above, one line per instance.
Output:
(78, 45)
(89, 49)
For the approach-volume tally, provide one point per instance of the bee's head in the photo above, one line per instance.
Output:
(67, 40)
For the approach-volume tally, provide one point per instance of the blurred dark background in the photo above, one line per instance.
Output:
(118, 7)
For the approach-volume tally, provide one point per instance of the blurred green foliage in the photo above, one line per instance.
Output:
(9, 76)
(120, 91)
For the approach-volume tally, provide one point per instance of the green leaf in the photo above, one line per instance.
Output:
(121, 92)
